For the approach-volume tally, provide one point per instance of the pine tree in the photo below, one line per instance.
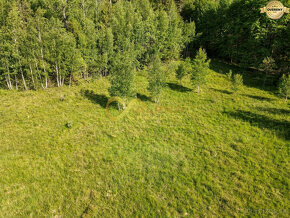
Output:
(200, 69)
(237, 82)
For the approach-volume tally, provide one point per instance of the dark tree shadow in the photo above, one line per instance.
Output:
(282, 127)
(102, 100)
(274, 110)
(251, 77)
(143, 97)
(178, 88)
(222, 91)
(256, 97)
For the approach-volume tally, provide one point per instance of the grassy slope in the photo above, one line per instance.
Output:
(215, 153)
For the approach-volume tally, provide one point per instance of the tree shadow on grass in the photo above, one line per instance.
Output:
(143, 97)
(251, 77)
(274, 110)
(281, 127)
(222, 91)
(256, 97)
(178, 88)
(102, 100)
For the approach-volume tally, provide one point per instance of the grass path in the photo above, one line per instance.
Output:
(215, 153)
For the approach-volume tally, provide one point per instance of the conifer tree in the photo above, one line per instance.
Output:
(200, 69)
(237, 81)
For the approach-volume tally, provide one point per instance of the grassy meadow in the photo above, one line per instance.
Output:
(216, 153)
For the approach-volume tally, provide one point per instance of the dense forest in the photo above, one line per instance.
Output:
(51, 43)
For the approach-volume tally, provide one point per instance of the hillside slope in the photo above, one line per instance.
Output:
(215, 153)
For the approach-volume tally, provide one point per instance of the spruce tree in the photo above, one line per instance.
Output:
(200, 69)
(237, 82)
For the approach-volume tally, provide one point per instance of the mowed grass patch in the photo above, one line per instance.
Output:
(216, 153)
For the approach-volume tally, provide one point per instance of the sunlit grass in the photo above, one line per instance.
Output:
(213, 153)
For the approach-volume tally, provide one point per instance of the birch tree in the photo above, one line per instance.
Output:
(157, 79)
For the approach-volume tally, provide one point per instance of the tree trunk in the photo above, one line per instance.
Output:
(57, 79)
(46, 82)
(32, 77)
(23, 79)
(124, 103)
(64, 13)
(41, 49)
(8, 81)
(198, 89)
(39, 76)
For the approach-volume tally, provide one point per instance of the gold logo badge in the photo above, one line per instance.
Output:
(275, 10)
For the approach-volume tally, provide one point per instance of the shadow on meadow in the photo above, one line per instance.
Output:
(256, 97)
(274, 110)
(252, 78)
(102, 100)
(143, 97)
(179, 88)
(281, 127)
(222, 91)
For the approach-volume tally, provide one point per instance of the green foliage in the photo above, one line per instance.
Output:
(122, 76)
(157, 79)
(183, 69)
(268, 65)
(200, 68)
(237, 82)
(230, 75)
(235, 31)
(44, 43)
(284, 86)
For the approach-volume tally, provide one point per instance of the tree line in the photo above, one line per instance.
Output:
(45, 43)
(51, 43)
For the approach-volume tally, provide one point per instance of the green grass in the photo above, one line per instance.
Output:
(216, 153)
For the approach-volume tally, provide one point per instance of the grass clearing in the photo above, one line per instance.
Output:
(215, 153)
